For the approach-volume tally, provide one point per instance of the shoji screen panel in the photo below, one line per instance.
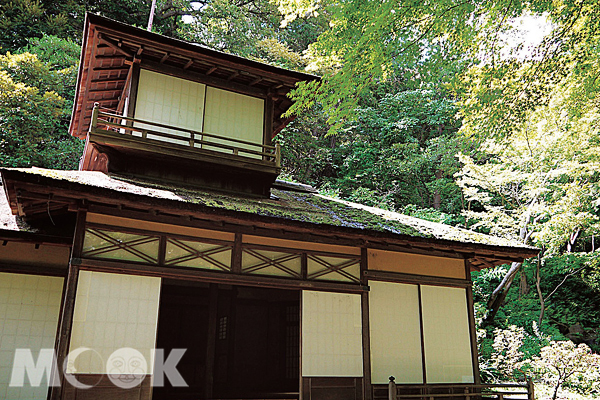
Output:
(234, 115)
(29, 311)
(331, 335)
(171, 101)
(113, 311)
(446, 334)
(395, 332)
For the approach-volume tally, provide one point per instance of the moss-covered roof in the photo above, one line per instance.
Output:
(292, 205)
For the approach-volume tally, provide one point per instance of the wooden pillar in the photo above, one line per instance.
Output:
(211, 339)
(268, 121)
(132, 92)
(423, 360)
(236, 254)
(68, 304)
(472, 327)
(366, 331)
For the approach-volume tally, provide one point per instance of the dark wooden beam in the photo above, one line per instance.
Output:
(113, 45)
(33, 269)
(111, 69)
(204, 78)
(417, 279)
(188, 64)
(109, 80)
(165, 57)
(103, 91)
(254, 82)
(196, 274)
(211, 70)
(110, 57)
(233, 75)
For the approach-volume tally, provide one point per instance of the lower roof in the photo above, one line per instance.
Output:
(291, 206)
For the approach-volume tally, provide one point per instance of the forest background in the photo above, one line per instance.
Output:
(446, 110)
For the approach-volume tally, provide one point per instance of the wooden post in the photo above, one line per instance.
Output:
(68, 304)
(95, 110)
(277, 155)
(236, 254)
(366, 330)
(472, 327)
(366, 343)
(392, 389)
(212, 338)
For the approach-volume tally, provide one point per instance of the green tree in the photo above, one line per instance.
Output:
(562, 362)
(459, 43)
(541, 183)
(33, 113)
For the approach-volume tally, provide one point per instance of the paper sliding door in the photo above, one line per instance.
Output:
(114, 333)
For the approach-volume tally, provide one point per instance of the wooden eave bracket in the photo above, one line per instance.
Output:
(115, 45)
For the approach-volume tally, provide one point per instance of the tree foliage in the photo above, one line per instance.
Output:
(564, 362)
(35, 106)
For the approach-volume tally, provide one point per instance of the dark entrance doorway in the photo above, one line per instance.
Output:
(242, 342)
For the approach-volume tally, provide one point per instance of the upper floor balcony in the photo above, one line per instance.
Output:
(155, 107)
(157, 140)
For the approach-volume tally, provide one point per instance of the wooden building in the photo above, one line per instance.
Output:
(175, 233)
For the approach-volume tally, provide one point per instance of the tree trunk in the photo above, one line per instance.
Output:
(523, 285)
(437, 196)
(499, 294)
(572, 239)
(556, 390)
(538, 279)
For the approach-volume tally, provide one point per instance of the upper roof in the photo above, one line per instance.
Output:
(292, 205)
(111, 48)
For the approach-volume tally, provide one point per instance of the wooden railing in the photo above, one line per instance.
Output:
(188, 138)
(466, 391)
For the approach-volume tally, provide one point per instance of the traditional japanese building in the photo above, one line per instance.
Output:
(176, 234)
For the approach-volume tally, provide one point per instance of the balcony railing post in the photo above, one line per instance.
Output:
(278, 165)
(392, 385)
(95, 110)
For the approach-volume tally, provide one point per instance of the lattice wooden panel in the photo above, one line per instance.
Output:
(268, 262)
(329, 268)
(187, 253)
(107, 244)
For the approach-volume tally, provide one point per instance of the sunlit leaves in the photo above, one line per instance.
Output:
(33, 114)
(563, 362)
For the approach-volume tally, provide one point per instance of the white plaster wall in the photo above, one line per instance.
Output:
(446, 333)
(395, 333)
(113, 311)
(331, 334)
(29, 311)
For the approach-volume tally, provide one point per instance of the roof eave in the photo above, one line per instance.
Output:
(78, 191)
